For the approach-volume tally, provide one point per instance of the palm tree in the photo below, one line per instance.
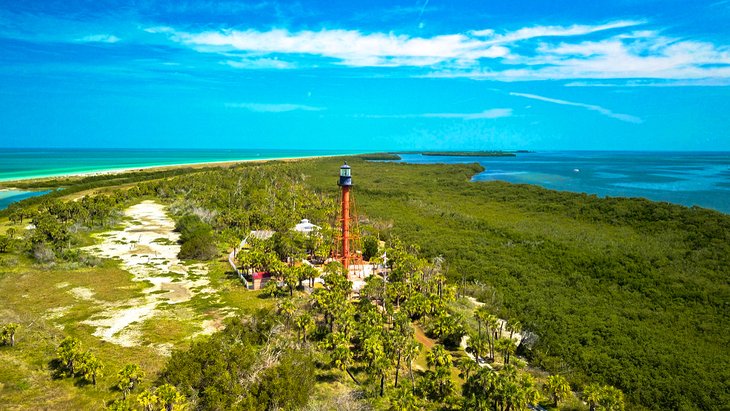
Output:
(410, 351)
(482, 388)
(339, 346)
(513, 326)
(612, 399)
(592, 394)
(372, 346)
(481, 314)
(402, 399)
(532, 394)
(129, 377)
(303, 323)
(169, 396)
(68, 352)
(557, 388)
(508, 348)
(499, 346)
(491, 322)
(287, 308)
(380, 366)
(291, 276)
(467, 366)
(479, 346)
(91, 367)
(512, 395)
(309, 273)
(148, 400)
(8, 333)
(440, 360)
(397, 339)
(438, 357)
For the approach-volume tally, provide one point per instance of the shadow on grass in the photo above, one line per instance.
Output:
(58, 370)
(326, 377)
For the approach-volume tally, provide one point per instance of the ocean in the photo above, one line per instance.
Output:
(16, 164)
(687, 178)
(24, 163)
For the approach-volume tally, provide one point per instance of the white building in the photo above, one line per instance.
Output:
(306, 227)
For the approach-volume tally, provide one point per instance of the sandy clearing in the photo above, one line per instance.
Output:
(139, 249)
(56, 312)
(82, 293)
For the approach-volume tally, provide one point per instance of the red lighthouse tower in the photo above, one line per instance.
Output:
(348, 237)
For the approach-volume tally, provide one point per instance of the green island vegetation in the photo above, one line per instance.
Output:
(469, 153)
(380, 157)
(498, 296)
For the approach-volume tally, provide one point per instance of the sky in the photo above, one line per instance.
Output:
(369, 75)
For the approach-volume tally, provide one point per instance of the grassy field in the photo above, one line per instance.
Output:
(52, 302)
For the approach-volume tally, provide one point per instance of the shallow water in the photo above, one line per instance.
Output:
(8, 197)
(687, 178)
(16, 164)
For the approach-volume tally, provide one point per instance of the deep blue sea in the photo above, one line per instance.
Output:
(688, 178)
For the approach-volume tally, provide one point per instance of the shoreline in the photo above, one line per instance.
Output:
(6, 184)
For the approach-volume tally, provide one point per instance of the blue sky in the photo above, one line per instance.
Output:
(371, 75)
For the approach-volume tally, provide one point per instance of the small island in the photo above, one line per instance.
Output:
(380, 157)
(469, 153)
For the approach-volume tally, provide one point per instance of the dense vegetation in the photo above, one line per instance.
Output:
(469, 153)
(627, 292)
(380, 156)
(249, 365)
(616, 292)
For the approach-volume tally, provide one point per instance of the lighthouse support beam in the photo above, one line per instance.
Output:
(346, 227)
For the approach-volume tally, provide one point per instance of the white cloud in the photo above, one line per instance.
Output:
(99, 38)
(262, 63)
(606, 112)
(273, 108)
(614, 50)
(351, 47)
(486, 114)
(551, 31)
(639, 55)
(654, 83)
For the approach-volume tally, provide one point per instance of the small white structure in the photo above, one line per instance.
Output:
(306, 227)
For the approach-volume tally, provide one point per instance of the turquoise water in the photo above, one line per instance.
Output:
(687, 178)
(17, 164)
(8, 197)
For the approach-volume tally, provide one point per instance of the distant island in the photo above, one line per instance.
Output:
(396, 156)
(470, 153)
(380, 157)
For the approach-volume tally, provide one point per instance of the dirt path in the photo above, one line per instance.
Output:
(146, 247)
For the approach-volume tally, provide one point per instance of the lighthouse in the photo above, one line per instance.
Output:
(348, 238)
(345, 184)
